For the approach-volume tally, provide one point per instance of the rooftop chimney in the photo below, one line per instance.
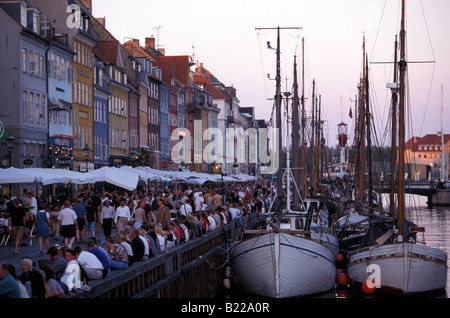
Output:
(150, 43)
(102, 21)
(135, 42)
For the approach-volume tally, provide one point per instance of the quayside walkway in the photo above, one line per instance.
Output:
(190, 270)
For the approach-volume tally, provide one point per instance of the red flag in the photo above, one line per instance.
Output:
(350, 113)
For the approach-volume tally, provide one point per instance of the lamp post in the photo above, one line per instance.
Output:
(10, 144)
(86, 151)
(218, 169)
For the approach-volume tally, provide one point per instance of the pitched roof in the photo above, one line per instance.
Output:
(199, 78)
(181, 64)
(109, 49)
(429, 140)
(136, 50)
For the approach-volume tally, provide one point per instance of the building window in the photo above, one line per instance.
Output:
(24, 60)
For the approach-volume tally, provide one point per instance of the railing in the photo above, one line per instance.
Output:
(191, 270)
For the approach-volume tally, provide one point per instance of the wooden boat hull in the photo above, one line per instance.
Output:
(404, 268)
(281, 265)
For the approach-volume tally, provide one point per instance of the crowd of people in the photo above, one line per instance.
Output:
(117, 228)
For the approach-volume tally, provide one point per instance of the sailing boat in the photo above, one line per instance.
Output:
(401, 265)
(293, 256)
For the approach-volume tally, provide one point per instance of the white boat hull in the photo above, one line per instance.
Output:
(281, 265)
(404, 268)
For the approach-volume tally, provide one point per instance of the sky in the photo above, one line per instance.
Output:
(225, 37)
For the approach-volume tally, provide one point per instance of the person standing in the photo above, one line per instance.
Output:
(140, 217)
(68, 221)
(123, 216)
(90, 219)
(42, 226)
(163, 213)
(106, 217)
(54, 213)
(80, 210)
(16, 220)
(32, 207)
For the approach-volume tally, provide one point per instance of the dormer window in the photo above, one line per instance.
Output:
(85, 25)
(35, 22)
(23, 14)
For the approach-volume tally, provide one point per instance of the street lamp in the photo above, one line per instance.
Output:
(86, 151)
(10, 140)
(217, 168)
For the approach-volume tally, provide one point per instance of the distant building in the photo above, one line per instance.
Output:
(102, 97)
(23, 85)
(427, 150)
(60, 107)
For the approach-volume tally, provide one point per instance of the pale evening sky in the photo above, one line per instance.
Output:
(222, 36)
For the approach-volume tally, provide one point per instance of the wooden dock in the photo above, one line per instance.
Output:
(191, 270)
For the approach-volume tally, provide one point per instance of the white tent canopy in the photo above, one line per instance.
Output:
(116, 176)
(14, 176)
(125, 177)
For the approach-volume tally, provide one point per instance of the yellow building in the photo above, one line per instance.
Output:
(83, 100)
(118, 105)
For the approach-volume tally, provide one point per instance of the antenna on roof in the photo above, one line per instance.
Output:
(157, 30)
(192, 58)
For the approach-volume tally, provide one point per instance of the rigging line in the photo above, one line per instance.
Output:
(262, 65)
(378, 29)
(428, 31)
(428, 99)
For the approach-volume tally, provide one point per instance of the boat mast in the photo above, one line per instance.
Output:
(313, 143)
(278, 119)
(295, 137)
(278, 98)
(401, 130)
(444, 168)
(394, 133)
(362, 124)
(304, 183)
(369, 142)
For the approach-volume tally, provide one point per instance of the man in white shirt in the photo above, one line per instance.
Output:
(123, 216)
(235, 213)
(199, 202)
(212, 221)
(185, 208)
(68, 220)
(71, 278)
(90, 263)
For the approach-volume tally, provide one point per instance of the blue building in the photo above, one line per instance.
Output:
(101, 102)
(164, 125)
